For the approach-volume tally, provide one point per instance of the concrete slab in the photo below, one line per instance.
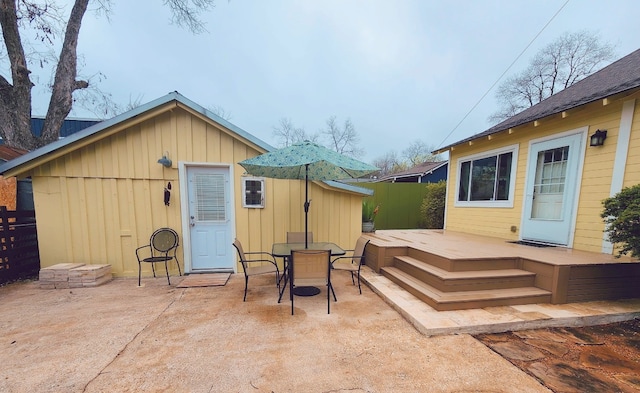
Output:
(497, 319)
(119, 337)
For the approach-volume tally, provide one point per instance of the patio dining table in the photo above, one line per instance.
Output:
(283, 250)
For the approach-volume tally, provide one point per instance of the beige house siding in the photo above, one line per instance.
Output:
(595, 182)
(100, 199)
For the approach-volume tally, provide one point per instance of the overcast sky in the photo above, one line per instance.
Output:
(400, 70)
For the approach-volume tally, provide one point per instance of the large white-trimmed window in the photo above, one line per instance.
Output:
(253, 192)
(487, 179)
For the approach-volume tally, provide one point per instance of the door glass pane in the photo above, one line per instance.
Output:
(210, 200)
(548, 190)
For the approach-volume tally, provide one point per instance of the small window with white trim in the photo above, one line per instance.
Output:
(252, 192)
(487, 179)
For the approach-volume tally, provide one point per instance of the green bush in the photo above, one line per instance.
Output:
(432, 208)
(369, 210)
(622, 216)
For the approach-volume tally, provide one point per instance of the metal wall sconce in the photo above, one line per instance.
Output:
(164, 161)
(597, 139)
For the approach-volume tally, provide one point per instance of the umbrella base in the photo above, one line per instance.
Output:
(306, 291)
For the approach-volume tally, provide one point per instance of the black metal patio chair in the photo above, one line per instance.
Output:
(353, 262)
(162, 249)
(264, 264)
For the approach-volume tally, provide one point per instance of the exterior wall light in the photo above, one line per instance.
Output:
(597, 139)
(166, 162)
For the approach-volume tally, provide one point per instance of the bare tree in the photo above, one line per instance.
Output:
(388, 164)
(418, 152)
(563, 62)
(220, 112)
(44, 19)
(343, 139)
(287, 133)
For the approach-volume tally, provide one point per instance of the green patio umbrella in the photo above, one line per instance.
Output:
(308, 161)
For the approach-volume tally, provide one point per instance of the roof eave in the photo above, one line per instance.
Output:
(349, 188)
(60, 147)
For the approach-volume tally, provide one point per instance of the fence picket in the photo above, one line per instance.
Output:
(19, 256)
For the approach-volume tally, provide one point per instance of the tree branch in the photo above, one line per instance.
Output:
(15, 113)
(65, 79)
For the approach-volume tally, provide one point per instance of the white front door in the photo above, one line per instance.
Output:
(551, 189)
(210, 219)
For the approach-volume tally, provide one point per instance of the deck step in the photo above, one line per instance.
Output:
(460, 300)
(472, 280)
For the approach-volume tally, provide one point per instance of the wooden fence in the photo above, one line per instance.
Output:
(399, 204)
(19, 256)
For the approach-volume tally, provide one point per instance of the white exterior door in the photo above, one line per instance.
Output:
(551, 189)
(210, 219)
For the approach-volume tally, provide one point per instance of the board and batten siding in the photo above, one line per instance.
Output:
(97, 203)
(596, 173)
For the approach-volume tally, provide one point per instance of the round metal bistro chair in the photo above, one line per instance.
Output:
(162, 248)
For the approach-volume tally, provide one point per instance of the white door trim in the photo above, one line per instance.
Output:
(583, 132)
(620, 160)
(184, 207)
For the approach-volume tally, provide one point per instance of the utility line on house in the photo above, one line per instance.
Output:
(503, 74)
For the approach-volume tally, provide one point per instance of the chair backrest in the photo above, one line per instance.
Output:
(164, 239)
(238, 246)
(361, 244)
(298, 237)
(310, 267)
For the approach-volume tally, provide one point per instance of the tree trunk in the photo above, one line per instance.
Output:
(65, 82)
(15, 100)
(15, 96)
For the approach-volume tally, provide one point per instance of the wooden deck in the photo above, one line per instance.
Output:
(453, 270)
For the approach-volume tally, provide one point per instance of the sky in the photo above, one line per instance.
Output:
(400, 70)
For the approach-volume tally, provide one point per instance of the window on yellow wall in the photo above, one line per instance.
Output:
(487, 179)
(252, 192)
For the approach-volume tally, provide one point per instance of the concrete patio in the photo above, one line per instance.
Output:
(122, 338)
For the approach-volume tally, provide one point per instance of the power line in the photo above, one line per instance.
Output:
(503, 74)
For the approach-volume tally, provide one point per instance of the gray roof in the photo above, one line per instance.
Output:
(618, 77)
(97, 128)
(173, 96)
(418, 170)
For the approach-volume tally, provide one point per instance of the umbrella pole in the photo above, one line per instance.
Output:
(306, 205)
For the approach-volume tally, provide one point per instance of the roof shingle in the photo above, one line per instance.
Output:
(615, 78)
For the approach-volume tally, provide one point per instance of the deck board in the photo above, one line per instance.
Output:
(461, 264)
(457, 245)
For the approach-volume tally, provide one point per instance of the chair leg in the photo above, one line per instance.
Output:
(166, 269)
(329, 298)
(178, 263)
(246, 283)
(284, 286)
(334, 293)
(291, 294)
(139, 272)
(359, 287)
(153, 269)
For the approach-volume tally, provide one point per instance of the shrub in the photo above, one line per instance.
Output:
(369, 211)
(432, 208)
(622, 216)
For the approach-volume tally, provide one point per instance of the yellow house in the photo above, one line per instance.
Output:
(540, 176)
(100, 193)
